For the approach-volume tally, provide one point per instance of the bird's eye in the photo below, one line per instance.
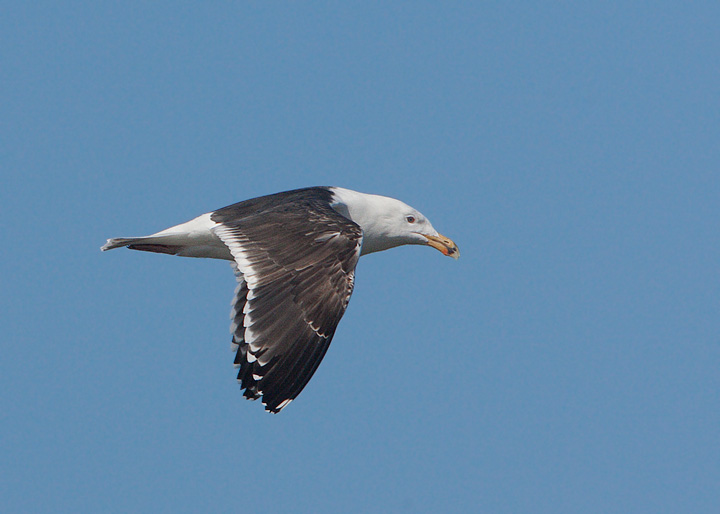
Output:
(410, 219)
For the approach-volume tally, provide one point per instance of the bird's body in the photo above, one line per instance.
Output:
(294, 255)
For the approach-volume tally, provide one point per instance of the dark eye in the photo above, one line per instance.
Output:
(410, 219)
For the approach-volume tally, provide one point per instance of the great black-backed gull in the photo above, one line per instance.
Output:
(294, 256)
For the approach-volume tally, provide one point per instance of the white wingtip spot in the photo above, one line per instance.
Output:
(284, 404)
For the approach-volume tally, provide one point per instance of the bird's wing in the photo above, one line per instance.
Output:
(295, 265)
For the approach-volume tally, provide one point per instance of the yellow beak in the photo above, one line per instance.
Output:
(444, 244)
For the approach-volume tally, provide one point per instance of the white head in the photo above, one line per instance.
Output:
(387, 223)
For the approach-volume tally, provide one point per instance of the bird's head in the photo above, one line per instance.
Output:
(417, 229)
(388, 222)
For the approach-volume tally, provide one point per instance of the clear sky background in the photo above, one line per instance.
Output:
(568, 362)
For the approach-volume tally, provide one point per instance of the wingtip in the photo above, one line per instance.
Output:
(280, 406)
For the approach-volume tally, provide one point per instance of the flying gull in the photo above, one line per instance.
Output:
(294, 255)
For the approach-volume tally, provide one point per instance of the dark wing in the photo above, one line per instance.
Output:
(296, 258)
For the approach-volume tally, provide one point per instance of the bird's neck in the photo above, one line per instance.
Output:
(363, 209)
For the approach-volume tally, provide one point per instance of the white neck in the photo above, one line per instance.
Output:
(363, 209)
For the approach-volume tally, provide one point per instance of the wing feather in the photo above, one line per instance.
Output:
(295, 259)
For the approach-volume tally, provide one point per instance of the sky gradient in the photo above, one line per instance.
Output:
(568, 362)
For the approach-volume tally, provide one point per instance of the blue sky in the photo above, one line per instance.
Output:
(568, 362)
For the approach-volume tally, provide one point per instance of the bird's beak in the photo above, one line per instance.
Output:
(444, 244)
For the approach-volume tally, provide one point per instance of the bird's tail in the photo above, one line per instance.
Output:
(118, 242)
(146, 243)
(192, 239)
